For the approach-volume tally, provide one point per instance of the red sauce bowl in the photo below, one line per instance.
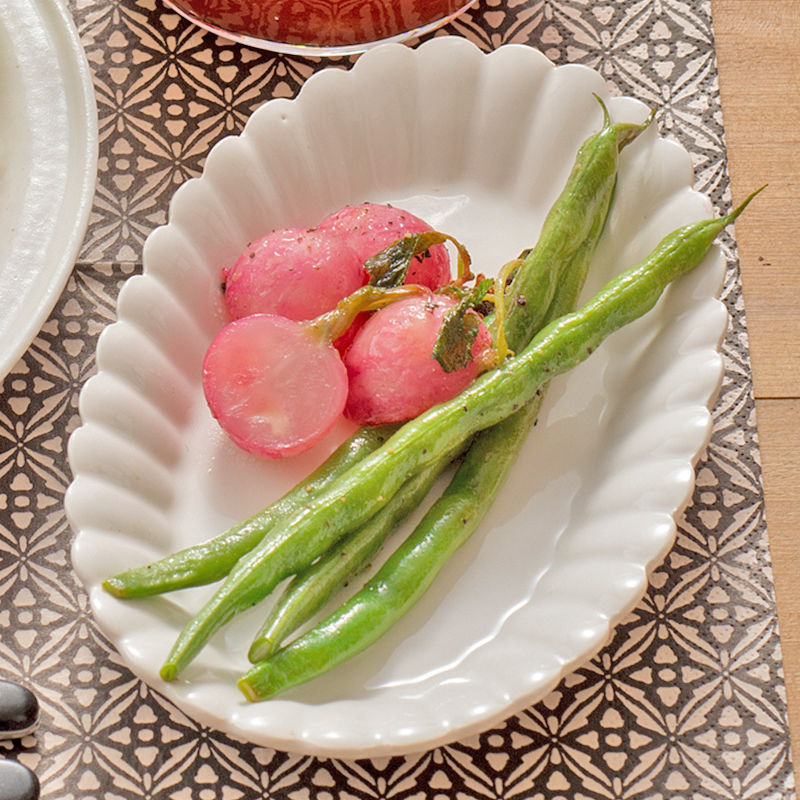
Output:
(319, 27)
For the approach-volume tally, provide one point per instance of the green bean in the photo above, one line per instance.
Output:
(590, 183)
(412, 567)
(310, 589)
(211, 560)
(571, 222)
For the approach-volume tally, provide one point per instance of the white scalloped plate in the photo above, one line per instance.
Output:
(48, 164)
(479, 145)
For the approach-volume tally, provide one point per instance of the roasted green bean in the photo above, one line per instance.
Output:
(211, 560)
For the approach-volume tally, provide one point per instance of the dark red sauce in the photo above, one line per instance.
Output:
(318, 23)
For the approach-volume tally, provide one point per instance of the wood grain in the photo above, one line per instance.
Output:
(779, 431)
(758, 51)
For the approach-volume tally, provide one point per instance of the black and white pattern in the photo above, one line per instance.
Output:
(686, 701)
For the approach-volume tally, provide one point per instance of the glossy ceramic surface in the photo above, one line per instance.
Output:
(48, 163)
(479, 145)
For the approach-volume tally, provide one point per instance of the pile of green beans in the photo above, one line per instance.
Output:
(408, 572)
(332, 524)
(571, 227)
(540, 282)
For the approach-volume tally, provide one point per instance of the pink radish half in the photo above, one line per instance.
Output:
(295, 273)
(370, 227)
(393, 375)
(275, 387)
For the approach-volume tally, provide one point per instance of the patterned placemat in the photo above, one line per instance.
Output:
(686, 701)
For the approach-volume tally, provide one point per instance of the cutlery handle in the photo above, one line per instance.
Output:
(17, 782)
(19, 712)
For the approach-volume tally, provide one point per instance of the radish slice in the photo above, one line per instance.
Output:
(370, 227)
(393, 375)
(275, 387)
(294, 273)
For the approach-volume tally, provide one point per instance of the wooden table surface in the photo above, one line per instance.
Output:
(758, 50)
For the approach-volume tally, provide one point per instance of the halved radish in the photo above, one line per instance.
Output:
(276, 386)
(390, 365)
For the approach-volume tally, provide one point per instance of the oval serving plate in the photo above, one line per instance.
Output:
(479, 145)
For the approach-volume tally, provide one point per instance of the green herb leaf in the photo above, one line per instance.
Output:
(389, 267)
(453, 346)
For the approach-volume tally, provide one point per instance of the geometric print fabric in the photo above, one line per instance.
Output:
(686, 701)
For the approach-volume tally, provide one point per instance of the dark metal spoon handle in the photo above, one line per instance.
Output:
(19, 711)
(17, 782)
